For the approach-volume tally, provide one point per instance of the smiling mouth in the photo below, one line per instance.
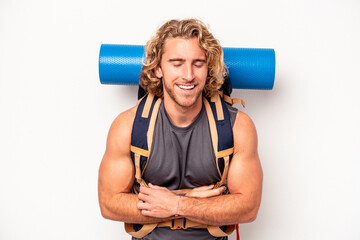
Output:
(186, 87)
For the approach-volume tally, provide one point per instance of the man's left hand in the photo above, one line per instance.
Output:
(156, 201)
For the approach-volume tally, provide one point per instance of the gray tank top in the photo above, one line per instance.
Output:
(182, 157)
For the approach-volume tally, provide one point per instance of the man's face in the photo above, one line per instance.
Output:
(183, 71)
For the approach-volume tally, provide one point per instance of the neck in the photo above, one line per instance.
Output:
(182, 116)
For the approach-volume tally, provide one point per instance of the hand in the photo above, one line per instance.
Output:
(156, 201)
(206, 191)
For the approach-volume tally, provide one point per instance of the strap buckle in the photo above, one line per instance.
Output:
(178, 223)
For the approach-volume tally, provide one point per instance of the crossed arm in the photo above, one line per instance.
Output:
(204, 205)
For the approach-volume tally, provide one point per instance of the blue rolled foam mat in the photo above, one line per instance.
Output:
(249, 68)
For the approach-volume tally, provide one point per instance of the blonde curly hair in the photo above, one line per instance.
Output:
(187, 29)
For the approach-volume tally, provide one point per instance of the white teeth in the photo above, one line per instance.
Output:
(186, 87)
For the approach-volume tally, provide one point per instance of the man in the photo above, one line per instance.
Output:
(184, 62)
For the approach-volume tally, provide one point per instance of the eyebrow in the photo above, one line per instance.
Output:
(183, 60)
(176, 60)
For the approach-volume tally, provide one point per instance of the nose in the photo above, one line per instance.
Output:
(188, 72)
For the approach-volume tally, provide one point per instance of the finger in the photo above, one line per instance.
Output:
(211, 193)
(204, 188)
(143, 197)
(145, 190)
(222, 189)
(146, 213)
(155, 186)
(142, 205)
(207, 193)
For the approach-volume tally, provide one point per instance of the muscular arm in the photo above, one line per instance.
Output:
(116, 175)
(244, 183)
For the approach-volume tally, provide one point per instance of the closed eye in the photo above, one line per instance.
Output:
(176, 62)
(199, 63)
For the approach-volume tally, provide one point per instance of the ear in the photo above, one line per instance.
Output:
(158, 72)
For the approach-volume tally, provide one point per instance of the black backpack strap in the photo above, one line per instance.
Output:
(142, 133)
(221, 134)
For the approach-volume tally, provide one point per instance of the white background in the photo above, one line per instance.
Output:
(55, 114)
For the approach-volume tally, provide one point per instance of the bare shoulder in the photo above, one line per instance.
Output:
(116, 171)
(124, 119)
(117, 154)
(120, 130)
(245, 173)
(245, 136)
(243, 120)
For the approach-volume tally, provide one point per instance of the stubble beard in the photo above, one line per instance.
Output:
(173, 96)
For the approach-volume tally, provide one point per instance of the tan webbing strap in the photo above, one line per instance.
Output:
(139, 151)
(178, 223)
(181, 223)
(232, 101)
(238, 100)
(137, 168)
(226, 169)
(228, 99)
(217, 232)
(153, 118)
(226, 152)
(145, 230)
(213, 131)
(192, 224)
(147, 106)
(218, 106)
(223, 179)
